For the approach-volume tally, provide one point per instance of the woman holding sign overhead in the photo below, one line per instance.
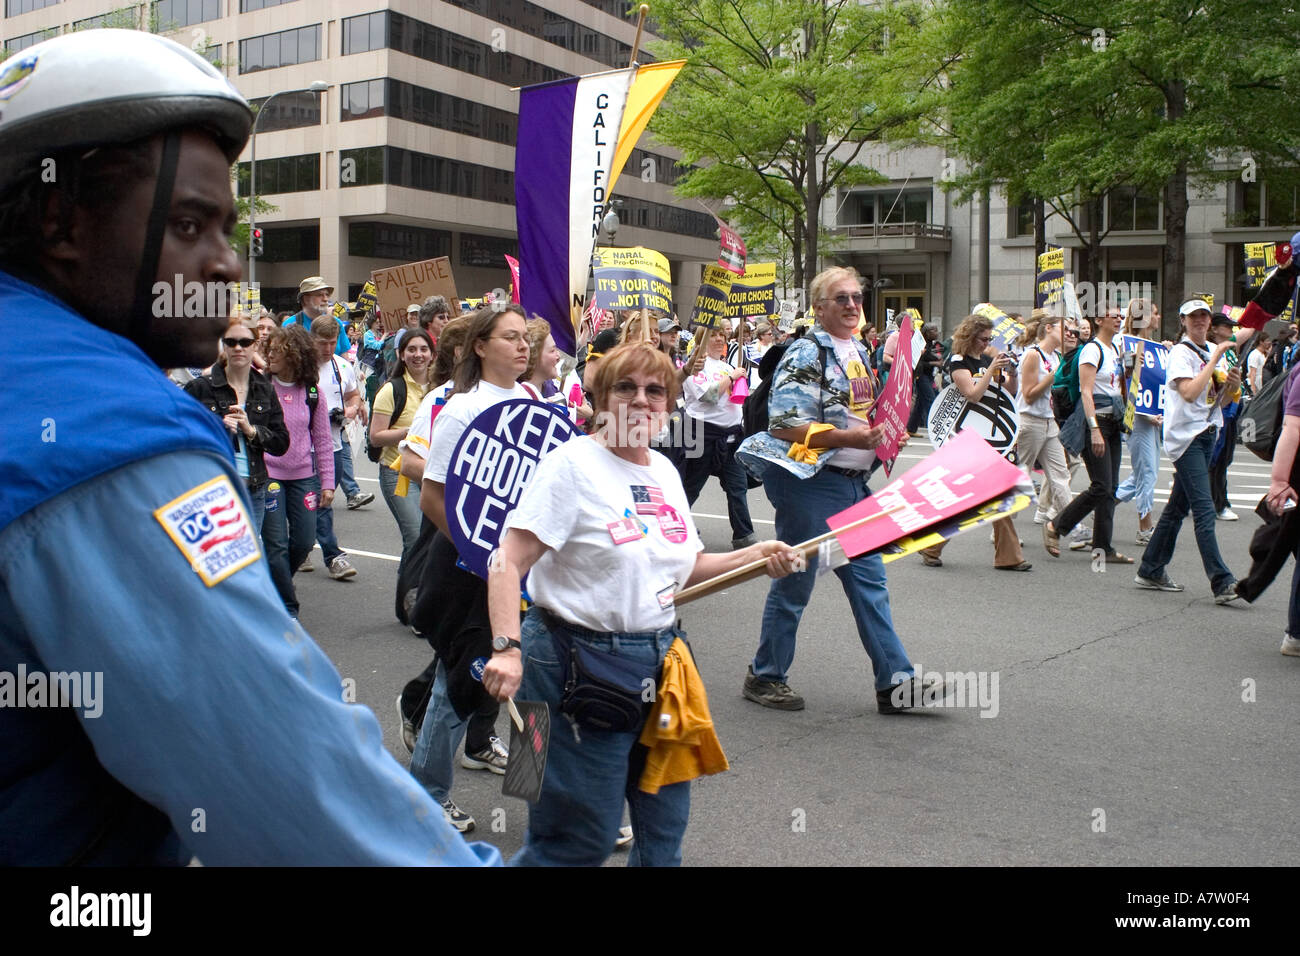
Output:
(974, 370)
(605, 516)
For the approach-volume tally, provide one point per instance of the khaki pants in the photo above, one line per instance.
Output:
(1006, 545)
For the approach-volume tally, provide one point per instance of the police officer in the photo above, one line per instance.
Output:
(202, 720)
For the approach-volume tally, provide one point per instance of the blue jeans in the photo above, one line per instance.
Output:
(440, 735)
(1144, 456)
(289, 532)
(343, 470)
(329, 544)
(258, 500)
(589, 773)
(925, 396)
(1191, 491)
(802, 507)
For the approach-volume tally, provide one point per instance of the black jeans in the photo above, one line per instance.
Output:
(1219, 468)
(925, 395)
(1099, 497)
(719, 459)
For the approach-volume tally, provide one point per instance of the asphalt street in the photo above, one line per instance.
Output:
(1116, 726)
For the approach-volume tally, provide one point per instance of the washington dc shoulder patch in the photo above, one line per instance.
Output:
(213, 531)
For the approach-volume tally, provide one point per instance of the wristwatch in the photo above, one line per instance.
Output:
(503, 643)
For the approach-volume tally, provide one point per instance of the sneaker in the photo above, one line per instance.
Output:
(1144, 537)
(360, 501)
(457, 817)
(1227, 514)
(1041, 517)
(745, 542)
(770, 693)
(492, 757)
(1162, 583)
(340, 569)
(1290, 646)
(1227, 595)
(1081, 544)
(306, 565)
(408, 728)
(914, 693)
(624, 838)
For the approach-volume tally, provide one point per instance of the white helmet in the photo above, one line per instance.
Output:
(100, 87)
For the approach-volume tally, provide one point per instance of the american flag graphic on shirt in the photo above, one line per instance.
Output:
(647, 499)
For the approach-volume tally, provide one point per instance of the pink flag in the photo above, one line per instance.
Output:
(513, 263)
(732, 254)
(964, 474)
(895, 404)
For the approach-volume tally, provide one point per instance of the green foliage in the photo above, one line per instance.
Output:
(778, 99)
(239, 238)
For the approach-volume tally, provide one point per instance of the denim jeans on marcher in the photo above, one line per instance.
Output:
(433, 762)
(1191, 492)
(1144, 457)
(329, 544)
(589, 773)
(289, 532)
(343, 470)
(258, 500)
(802, 507)
(1099, 497)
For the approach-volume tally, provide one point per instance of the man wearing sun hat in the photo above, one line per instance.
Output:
(313, 301)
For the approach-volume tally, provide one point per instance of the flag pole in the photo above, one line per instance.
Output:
(747, 572)
(642, 12)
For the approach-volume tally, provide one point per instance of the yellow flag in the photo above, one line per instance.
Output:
(648, 88)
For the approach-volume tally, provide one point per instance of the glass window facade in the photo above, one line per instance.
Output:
(14, 7)
(283, 174)
(386, 240)
(280, 49)
(287, 111)
(171, 14)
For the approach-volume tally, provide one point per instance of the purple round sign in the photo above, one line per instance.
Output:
(490, 467)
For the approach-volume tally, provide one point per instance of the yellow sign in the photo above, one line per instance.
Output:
(754, 293)
(633, 278)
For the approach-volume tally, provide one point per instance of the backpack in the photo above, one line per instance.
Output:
(375, 452)
(1065, 386)
(754, 413)
(1261, 418)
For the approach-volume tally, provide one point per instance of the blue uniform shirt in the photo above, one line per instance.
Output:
(205, 721)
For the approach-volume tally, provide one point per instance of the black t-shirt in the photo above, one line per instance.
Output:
(975, 366)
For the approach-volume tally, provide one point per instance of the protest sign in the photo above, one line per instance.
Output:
(962, 475)
(711, 301)
(1260, 261)
(754, 293)
(993, 418)
(1050, 287)
(731, 255)
(1148, 395)
(634, 278)
(411, 284)
(1005, 329)
(489, 468)
(366, 298)
(895, 404)
(789, 311)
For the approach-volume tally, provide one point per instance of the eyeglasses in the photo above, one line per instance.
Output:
(627, 391)
(844, 298)
(514, 338)
(241, 343)
(1070, 331)
(984, 338)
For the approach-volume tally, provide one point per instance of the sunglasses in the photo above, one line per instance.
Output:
(241, 343)
(627, 391)
(844, 298)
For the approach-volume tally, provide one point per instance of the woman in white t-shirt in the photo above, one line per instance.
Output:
(604, 533)
(1101, 383)
(1255, 363)
(1038, 441)
(712, 415)
(451, 607)
(1195, 393)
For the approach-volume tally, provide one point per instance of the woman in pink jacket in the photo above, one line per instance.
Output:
(294, 491)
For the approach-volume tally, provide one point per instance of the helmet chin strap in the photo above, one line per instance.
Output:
(140, 321)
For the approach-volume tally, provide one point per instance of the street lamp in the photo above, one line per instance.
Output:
(319, 86)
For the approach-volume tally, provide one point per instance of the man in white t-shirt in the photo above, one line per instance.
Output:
(1194, 397)
(341, 396)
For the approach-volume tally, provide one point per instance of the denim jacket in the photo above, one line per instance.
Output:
(810, 385)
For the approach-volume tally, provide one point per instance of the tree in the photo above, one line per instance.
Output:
(778, 99)
(1067, 101)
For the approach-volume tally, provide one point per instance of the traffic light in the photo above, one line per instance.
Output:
(255, 242)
